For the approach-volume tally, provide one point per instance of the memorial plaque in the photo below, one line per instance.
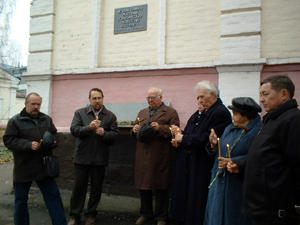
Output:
(130, 19)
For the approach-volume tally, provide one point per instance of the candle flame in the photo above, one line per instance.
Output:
(139, 121)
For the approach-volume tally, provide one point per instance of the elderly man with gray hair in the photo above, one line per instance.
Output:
(153, 157)
(192, 173)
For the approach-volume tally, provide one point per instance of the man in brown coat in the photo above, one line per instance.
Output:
(153, 158)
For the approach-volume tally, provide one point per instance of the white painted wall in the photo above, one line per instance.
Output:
(193, 31)
(239, 81)
(77, 36)
(280, 29)
(8, 87)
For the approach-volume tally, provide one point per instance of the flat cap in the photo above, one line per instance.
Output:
(146, 133)
(48, 140)
(244, 105)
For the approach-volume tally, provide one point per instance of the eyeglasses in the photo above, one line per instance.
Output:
(152, 97)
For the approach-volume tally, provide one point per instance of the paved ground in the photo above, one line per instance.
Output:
(113, 210)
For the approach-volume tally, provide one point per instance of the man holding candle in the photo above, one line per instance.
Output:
(192, 173)
(271, 187)
(96, 129)
(153, 157)
(23, 136)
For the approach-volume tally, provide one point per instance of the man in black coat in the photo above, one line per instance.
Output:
(193, 167)
(23, 136)
(272, 178)
(96, 129)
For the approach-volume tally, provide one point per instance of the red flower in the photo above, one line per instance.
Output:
(245, 129)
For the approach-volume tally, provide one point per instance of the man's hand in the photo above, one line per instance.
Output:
(213, 139)
(155, 126)
(95, 124)
(175, 130)
(35, 146)
(100, 131)
(178, 137)
(136, 128)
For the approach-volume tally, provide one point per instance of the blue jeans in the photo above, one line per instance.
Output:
(51, 197)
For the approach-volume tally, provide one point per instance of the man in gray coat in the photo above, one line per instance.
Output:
(96, 129)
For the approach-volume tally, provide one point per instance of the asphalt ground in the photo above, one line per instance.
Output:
(113, 210)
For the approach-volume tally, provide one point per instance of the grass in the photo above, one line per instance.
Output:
(6, 156)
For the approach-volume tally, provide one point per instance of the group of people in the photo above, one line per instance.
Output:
(95, 128)
(237, 169)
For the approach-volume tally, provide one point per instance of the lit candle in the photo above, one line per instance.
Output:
(171, 132)
(177, 131)
(219, 145)
(229, 154)
(173, 136)
(139, 121)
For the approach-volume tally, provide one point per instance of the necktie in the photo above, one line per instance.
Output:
(152, 112)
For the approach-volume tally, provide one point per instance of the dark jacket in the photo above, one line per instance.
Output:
(193, 167)
(93, 149)
(153, 159)
(20, 132)
(224, 200)
(272, 176)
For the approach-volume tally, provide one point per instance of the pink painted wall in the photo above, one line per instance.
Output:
(70, 92)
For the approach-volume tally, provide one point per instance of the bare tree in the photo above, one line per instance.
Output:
(10, 50)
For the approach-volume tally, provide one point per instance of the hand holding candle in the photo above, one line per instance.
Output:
(229, 154)
(173, 134)
(177, 131)
(40, 144)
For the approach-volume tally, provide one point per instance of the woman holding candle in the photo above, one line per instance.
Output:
(225, 191)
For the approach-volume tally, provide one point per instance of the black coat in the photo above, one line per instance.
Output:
(20, 132)
(272, 176)
(91, 148)
(192, 172)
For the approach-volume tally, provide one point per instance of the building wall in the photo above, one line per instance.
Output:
(130, 49)
(70, 92)
(8, 88)
(192, 34)
(20, 104)
(72, 36)
(192, 31)
(230, 42)
(280, 29)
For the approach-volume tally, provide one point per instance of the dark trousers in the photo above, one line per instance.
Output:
(51, 197)
(82, 173)
(161, 204)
